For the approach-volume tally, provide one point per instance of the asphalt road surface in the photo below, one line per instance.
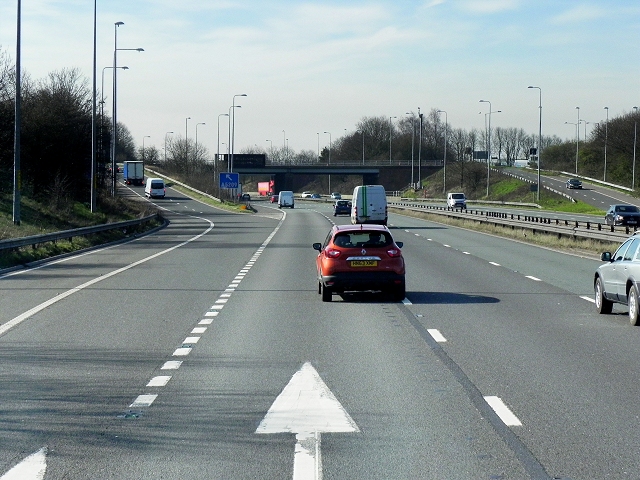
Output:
(203, 350)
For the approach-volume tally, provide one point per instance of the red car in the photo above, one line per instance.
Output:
(273, 199)
(360, 258)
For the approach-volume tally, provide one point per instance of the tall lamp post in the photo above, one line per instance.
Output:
(413, 136)
(444, 169)
(318, 133)
(114, 128)
(186, 143)
(143, 156)
(577, 125)
(329, 163)
(489, 145)
(17, 127)
(229, 141)
(165, 146)
(420, 149)
(271, 148)
(539, 140)
(635, 137)
(390, 139)
(606, 138)
(577, 139)
(218, 141)
(233, 126)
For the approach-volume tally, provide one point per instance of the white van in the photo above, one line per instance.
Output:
(285, 199)
(154, 188)
(369, 205)
(456, 200)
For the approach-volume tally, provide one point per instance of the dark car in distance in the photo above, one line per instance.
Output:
(574, 183)
(622, 215)
(342, 207)
(616, 281)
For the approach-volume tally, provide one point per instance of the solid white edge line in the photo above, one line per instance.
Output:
(21, 318)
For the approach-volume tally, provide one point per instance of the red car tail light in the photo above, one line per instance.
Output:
(332, 253)
(394, 252)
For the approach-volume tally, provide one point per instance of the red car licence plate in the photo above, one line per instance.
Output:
(364, 263)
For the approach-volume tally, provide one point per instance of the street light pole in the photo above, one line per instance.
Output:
(229, 142)
(577, 138)
(420, 149)
(94, 132)
(271, 148)
(444, 170)
(165, 146)
(186, 144)
(606, 138)
(18, 125)
(329, 163)
(635, 137)
(489, 145)
(539, 141)
(233, 126)
(218, 141)
(114, 129)
(143, 156)
(413, 136)
(390, 139)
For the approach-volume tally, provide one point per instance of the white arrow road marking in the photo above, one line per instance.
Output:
(31, 468)
(307, 408)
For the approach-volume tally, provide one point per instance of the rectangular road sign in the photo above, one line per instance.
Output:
(229, 180)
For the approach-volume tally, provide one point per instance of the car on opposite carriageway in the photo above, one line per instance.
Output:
(622, 215)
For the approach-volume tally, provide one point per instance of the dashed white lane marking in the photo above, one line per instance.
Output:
(171, 365)
(506, 415)
(530, 277)
(445, 245)
(159, 381)
(466, 253)
(588, 299)
(146, 400)
(436, 335)
(494, 263)
(182, 352)
(143, 401)
(406, 301)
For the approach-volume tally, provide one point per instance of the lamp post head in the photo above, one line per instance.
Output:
(117, 24)
(139, 49)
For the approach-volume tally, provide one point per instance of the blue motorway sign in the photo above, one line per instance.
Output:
(229, 180)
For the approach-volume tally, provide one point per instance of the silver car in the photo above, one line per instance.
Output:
(616, 281)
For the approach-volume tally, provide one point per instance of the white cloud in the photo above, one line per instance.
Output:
(488, 6)
(580, 14)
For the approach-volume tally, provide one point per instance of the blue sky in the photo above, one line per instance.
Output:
(310, 67)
